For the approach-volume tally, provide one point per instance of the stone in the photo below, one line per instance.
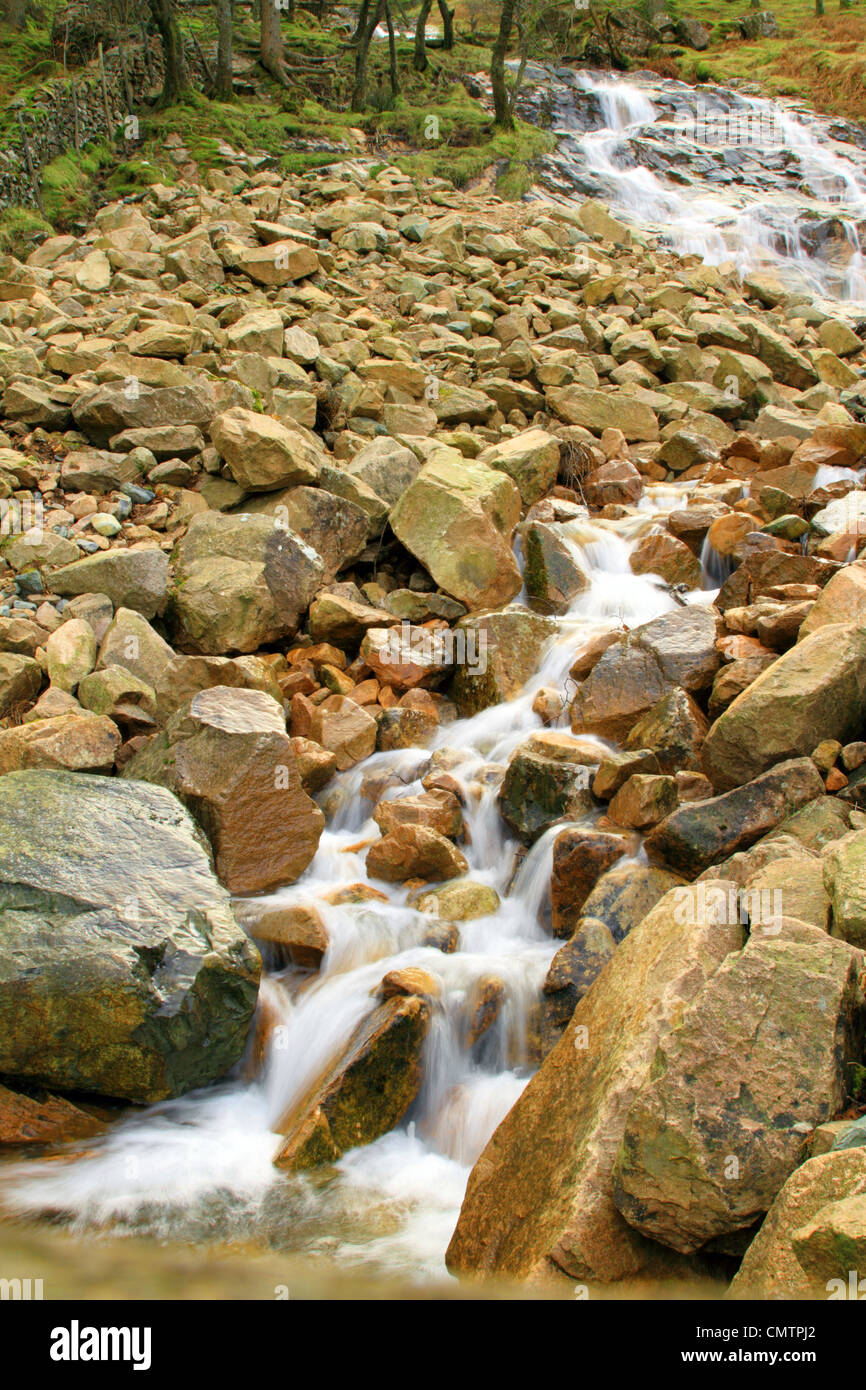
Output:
(414, 851)
(644, 800)
(20, 679)
(364, 1092)
(548, 779)
(227, 756)
(813, 691)
(71, 653)
(771, 1268)
(539, 1202)
(580, 857)
(44, 1119)
(296, 927)
(135, 579)
(495, 654)
(122, 969)
(551, 574)
(263, 454)
(844, 863)
(639, 668)
(75, 741)
(345, 729)
(241, 582)
(458, 521)
(334, 527)
(601, 410)
(673, 730)
(736, 1038)
(531, 460)
(702, 833)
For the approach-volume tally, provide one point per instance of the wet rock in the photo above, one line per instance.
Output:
(483, 1009)
(677, 649)
(551, 574)
(580, 857)
(121, 973)
(539, 1199)
(459, 901)
(345, 729)
(44, 1119)
(548, 779)
(495, 654)
(700, 834)
(227, 756)
(405, 728)
(624, 894)
(438, 810)
(674, 730)
(671, 1182)
(297, 927)
(662, 554)
(643, 801)
(364, 1092)
(20, 679)
(414, 851)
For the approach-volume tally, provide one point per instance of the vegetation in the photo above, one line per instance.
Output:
(307, 87)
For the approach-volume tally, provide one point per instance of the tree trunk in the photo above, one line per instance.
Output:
(501, 106)
(15, 12)
(359, 91)
(392, 53)
(819, 7)
(447, 24)
(222, 89)
(419, 58)
(175, 79)
(272, 42)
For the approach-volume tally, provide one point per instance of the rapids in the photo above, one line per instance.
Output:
(199, 1168)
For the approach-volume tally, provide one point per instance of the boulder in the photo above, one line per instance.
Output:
(457, 519)
(495, 653)
(531, 460)
(812, 692)
(414, 851)
(700, 1161)
(76, 741)
(227, 756)
(240, 582)
(548, 779)
(262, 454)
(539, 1202)
(639, 668)
(580, 857)
(122, 969)
(771, 1268)
(702, 833)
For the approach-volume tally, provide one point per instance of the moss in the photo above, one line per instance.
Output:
(21, 229)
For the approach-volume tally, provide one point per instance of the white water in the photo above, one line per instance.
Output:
(752, 223)
(200, 1167)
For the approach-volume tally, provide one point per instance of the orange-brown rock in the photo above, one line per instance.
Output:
(414, 851)
(438, 810)
(46, 1119)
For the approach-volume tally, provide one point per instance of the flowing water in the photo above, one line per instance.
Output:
(200, 1168)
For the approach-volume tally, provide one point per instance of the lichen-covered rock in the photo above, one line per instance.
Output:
(122, 969)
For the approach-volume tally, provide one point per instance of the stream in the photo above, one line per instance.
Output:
(199, 1169)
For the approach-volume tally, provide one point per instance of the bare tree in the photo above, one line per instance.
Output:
(175, 79)
(502, 116)
(447, 24)
(419, 58)
(392, 52)
(370, 14)
(271, 51)
(222, 89)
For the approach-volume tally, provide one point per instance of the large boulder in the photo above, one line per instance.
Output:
(540, 1199)
(812, 692)
(122, 969)
(227, 756)
(530, 458)
(261, 453)
(635, 672)
(702, 833)
(548, 779)
(240, 582)
(718, 1126)
(457, 518)
(844, 868)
